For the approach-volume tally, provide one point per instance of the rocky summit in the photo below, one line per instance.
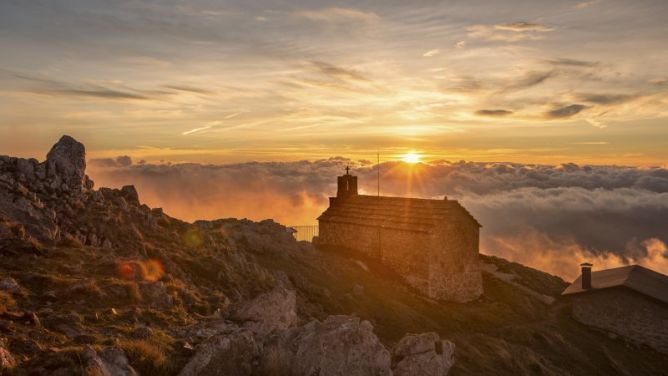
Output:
(93, 282)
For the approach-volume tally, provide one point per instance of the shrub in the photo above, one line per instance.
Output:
(146, 357)
(7, 302)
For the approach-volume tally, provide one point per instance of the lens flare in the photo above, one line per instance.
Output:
(153, 270)
(193, 238)
(126, 270)
(150, 270)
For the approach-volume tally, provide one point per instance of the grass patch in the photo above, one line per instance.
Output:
(147, 357)
(70, 241)
(7, 302)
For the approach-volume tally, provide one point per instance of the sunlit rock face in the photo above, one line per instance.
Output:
(423, 354)
(36, 194)
(341, 345)
(54, 201)
(66, 163)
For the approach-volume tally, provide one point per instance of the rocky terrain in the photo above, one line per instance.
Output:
(92, 282)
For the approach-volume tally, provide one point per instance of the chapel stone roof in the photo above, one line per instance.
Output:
(635, 277)
(412, 214)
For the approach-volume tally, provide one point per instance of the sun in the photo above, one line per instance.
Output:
(411, 157)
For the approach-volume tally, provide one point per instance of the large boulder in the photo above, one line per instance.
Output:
(423, 354)
(232, 353)
(271, 311)
(341, 345)
(10, 285)
(111, 361)
(66, 165)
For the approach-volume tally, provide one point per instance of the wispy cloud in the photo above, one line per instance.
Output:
(572, 62)
(190, 89)
(201, 129)
(431, 53)
(338, 15)
(494, 113)
(591, 143)
(606, 99)
(523, 26)
(48, 86)
(587, 4)
(213, 124)
(528, 80)
(565, 112)
(508, 32)
(338, 72)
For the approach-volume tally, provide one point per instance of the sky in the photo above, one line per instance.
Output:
(214, 82)
(545, 119)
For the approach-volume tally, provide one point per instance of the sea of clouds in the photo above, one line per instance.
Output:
(548, 217)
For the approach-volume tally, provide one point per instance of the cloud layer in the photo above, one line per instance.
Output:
(551, 217)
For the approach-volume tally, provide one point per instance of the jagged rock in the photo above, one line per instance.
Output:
(130, 194)
(66, 164)
(423, 354)
(155, 295)
(26, 167)
(274, 310)
(7, 360)
(341, 345)
(232, 353)
(34, 220)
(111, 361)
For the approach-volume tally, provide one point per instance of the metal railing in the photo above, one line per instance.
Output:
(305, 233)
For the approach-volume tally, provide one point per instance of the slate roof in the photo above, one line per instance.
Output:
(412, 214)
(635, 277)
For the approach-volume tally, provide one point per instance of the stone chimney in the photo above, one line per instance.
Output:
(586, 275)
(346, 185)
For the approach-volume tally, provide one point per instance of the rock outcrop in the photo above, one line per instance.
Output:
(66, 165)
(341, 345)
(263, 341)
(423, 354)
(36, 194)
(111, 361)
(232, 353)
(271, 311)
(54, 201)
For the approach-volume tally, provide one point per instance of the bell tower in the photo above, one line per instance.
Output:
(346, 185)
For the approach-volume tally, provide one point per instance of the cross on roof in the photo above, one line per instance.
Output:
(347, 170)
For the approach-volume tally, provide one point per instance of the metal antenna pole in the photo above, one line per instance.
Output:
(378, 171)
